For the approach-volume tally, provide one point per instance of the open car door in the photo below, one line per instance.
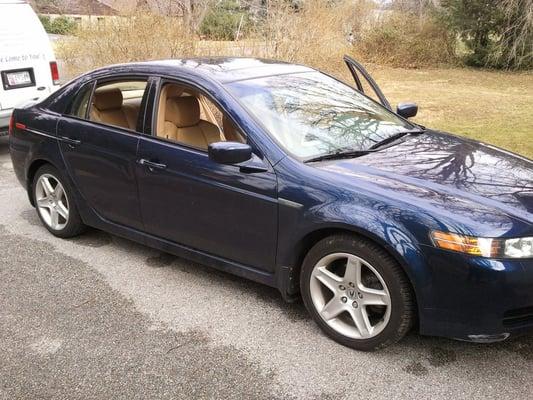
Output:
(360, 74)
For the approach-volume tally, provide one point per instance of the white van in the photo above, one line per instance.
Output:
(28, 69)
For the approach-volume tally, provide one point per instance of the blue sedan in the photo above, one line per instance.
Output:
(287, 176)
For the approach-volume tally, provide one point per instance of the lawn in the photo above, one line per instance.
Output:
(495, 107)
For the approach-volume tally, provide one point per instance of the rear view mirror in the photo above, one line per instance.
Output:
(229, 152)
(407, 110)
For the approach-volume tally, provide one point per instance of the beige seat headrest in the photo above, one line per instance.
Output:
(173, 91)
(109, 99)
(183, 111)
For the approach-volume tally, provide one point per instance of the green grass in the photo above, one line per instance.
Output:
(494, 107)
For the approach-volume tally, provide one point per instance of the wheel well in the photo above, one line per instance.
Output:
(31, 174)
(314, 237)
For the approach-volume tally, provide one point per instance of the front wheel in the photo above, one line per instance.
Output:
(54, 203)
(356, 292)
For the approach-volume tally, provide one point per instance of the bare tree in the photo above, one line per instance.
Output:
(515, 48)
(193, 11)
(418, 7)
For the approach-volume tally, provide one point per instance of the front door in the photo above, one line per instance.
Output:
(230, 211)
(219, 209)
(365, 83)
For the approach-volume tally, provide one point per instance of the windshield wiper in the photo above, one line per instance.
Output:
(352, 153)
(341, 153)
(395, 137)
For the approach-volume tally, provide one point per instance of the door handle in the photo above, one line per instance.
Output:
(71, 142)
(151, 164)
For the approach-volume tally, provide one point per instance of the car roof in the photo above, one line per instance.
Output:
(221, 69)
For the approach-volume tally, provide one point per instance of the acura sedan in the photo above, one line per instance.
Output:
(289, 177)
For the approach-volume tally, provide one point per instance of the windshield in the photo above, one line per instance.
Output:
(311, 114)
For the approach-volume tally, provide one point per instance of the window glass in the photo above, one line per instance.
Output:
(311, 114)
(118, 103)
(190, 118)
(81, 102)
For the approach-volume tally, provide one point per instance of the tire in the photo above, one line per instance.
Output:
(55, 199)
(329, 277)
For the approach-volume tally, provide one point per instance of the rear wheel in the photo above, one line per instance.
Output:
(356, 292)
(54, 203)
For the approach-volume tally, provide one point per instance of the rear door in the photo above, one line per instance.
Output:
(365, 83)
(99, 147)
(25, 56)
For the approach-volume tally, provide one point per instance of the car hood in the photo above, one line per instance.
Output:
(465, 179)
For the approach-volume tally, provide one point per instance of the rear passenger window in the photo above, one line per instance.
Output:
(118, 103)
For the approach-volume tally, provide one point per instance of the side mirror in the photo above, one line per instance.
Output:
(229, 152)
(407, 110)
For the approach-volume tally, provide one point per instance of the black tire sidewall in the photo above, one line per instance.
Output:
(384, 264)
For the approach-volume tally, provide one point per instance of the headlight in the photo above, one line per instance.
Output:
(484, 247)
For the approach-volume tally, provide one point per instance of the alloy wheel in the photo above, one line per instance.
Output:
(52, 202)
(350, 295)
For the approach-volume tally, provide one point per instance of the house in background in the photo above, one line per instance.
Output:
(81, 11)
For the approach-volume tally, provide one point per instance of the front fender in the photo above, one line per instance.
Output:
(381, 223)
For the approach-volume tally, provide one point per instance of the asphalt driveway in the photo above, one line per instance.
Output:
(102, 317)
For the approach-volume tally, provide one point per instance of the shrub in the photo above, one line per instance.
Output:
(515, 47)
(223, 21)
(138, 37)
(496, 34)
(312, 32)
(58, 26)
(476, 22)
(406, 40)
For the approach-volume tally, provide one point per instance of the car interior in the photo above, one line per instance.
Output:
(118, 104)
(183, 115)
(190, 118)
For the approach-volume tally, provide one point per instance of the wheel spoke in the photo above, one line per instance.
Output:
(47, 186)
(62, 210)
(333, 308)
(374, 297)
(43, 202)
(353, 271)
(362, 323)
(59, 191)
(54, 218)
(328, 278)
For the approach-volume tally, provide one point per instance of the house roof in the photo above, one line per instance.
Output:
(156, 6)
(81, 7)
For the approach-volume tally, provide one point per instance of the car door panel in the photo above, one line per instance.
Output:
(101, 161)
(359, 73)
(214, 208)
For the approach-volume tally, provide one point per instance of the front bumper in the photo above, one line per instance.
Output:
(474, 298)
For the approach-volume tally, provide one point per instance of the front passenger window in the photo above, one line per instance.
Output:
(188, 117)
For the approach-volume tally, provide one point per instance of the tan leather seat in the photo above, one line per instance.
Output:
(231, 133)
(131, 109)
(108, 108)
(168, 91)
(183, 123)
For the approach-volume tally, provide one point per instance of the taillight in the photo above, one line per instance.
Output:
(11, 124)
(55, 72)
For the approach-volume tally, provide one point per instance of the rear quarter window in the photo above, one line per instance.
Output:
(80, 104)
